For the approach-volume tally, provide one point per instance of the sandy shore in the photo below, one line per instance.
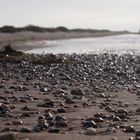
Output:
(80, 97)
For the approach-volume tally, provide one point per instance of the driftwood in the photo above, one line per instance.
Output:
(9, 50)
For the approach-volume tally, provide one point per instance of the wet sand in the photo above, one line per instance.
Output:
(78, 97)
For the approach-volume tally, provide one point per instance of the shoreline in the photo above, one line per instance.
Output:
(18, 40)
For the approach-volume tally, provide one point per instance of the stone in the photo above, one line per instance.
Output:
(69, 101)
(138, 93)
(131, 138)
(61, 123)
(25, 130)
(43, 124)
(91, 131)
(7, 129)
(62, 76)
(77, 92)
(137, 138)
(44, 89)
(110, 130)
(114, 138)
(29, 97)
(48, 116)
(41, 117)
(109, 109)
(10, 136)
(122, 111)
(17, 122)
(98, 120)
(129, 129)
(4, 110)
(37, 129)
(26, 108)
(54, 130)
(116, 118)
(61, 110)
(60, 118)
(138, 111)
(51, 122)
(26, 114)
(95, 119)
(90, 124)
(137, 134)
(48, 104)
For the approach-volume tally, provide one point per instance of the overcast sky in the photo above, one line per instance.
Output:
(97, 14)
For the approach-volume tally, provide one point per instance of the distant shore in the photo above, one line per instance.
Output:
(19, 39)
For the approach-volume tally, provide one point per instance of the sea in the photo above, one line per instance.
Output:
(120, 44)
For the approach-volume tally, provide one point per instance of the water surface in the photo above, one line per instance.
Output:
(114, 44)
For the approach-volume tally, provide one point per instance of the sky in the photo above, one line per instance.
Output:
(95, 14)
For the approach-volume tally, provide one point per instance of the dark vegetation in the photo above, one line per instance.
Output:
(33, 28)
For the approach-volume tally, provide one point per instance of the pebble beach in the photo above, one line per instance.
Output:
(85, 96)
